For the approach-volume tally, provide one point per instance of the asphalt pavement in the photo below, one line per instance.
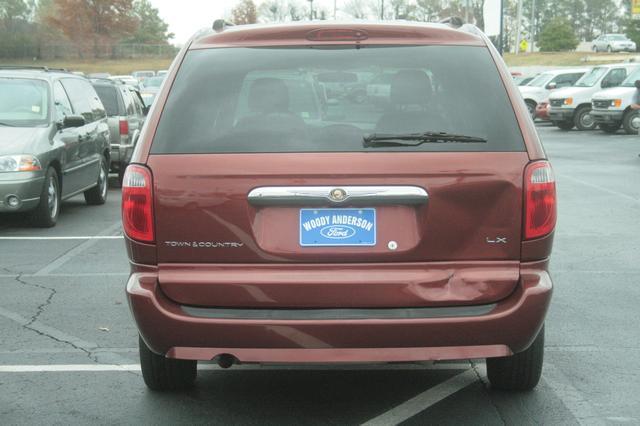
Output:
(68, 351)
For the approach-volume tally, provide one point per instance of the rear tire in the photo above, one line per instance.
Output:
(628, 122)
(46, 214)
(610, 128)
(609, 49)
(565, 125)
(165, 374)
(98, 194)
(521, 371)
(583, 120)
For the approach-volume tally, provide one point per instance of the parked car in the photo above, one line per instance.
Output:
(541, 86)
(572, 106)
(162, 73)
(542, 110)
(141, 76)
(613, 43)
(99, 75)
(523, 81)
(126, 113)
(611, 108)
(126, 79)
(150, 88)
(54, 142)
(260, 234)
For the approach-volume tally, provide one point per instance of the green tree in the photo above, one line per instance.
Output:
(558, 35)
(16, 28)
(152, 29)
(244, 13)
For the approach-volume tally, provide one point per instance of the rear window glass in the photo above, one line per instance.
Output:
(327, 99)
(109, 99)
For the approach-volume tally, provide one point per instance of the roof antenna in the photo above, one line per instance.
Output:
(219, 25)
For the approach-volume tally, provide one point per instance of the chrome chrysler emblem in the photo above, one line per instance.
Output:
(337, 194)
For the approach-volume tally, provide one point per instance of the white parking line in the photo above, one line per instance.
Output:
(424, 400)
(572, 398)
(601, 188)
(80, 248)
(82, 237)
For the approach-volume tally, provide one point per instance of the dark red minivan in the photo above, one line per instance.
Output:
(339, 193)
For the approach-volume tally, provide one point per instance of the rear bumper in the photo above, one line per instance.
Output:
(603, 116)
(120, 156)
(561, 114)
(506, 327)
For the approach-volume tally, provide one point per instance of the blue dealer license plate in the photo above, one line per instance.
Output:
(337, 227)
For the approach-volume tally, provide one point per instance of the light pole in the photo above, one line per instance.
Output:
(532, 33)
(382, 10)
(311, 10)
(501, 37)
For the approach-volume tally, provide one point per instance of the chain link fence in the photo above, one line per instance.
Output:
(49, 51)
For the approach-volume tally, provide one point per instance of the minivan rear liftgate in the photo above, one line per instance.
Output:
(440, 231)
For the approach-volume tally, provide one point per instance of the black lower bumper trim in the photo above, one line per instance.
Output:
(338, 314)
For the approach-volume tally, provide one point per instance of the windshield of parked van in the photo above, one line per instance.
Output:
(631, 80)
(541, 80)
(592, 77)
(23, 102)
(330, 98)
(617, 38)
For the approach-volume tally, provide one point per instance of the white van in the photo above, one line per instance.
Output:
(539, 89)
(571, 106)
(612, 107)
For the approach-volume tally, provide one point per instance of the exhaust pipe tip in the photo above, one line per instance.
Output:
(226, 360)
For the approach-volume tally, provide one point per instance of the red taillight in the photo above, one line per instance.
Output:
(124, 127)
(540, 200)
(137, 204)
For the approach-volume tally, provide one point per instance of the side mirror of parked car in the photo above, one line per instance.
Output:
(552, 86)
(73, 121)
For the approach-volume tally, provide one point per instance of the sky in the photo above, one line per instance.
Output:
(185, 17)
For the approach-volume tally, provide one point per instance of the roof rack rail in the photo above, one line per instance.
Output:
(453, 21)
(33, 67)
(219, 25)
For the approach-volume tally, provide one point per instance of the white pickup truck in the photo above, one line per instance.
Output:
(571, 106)
(539, 89)
(611, 108)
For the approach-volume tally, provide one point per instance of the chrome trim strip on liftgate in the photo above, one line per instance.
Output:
(351, 195)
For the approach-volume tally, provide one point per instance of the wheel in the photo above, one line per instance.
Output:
(609, 127)
(531, 106)
(565, 125)
(631, 122)
(521, 371)
(583, 119)
(609, 49)
(46, 214)
(595, 48)
(98, 194)
(163, 374)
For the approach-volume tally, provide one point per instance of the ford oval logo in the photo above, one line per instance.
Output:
(337, 232)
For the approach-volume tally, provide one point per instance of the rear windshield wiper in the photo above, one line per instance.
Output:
(414, 139)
